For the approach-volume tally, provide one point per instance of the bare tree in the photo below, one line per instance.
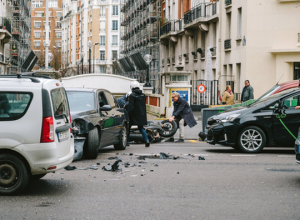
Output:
(41, 60)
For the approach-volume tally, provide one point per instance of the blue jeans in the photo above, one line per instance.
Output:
(142, 131)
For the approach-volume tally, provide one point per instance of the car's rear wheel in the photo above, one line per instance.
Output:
(251, 140)
(91, 147)
(13, 174)
(37, 177)
(122, 140)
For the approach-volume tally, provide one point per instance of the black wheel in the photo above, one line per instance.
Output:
(251, 140)
(122, 140)
(37, 177)
(168, 129)
(91, 147)
(13, 174)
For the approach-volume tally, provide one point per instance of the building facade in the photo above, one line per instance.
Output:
(38, 32)
(91, 32)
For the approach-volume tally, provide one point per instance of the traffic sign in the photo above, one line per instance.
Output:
(201, 88)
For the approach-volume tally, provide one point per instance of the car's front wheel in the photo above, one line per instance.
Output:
(91, 147)
(121, 145)
(13, 174)
(251, 140)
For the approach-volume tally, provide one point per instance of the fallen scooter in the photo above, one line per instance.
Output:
(155, 131)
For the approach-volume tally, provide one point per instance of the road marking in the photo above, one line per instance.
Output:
(285, 156)
(193, 141)
(244, 155)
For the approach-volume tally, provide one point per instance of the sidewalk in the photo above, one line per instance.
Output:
(192, 133)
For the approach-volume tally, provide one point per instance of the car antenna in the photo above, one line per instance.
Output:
(280, 79)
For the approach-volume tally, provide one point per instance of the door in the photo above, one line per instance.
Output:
(291, 119)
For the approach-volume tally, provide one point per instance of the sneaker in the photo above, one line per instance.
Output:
(179, 140)
(147, 144)
(170, 140)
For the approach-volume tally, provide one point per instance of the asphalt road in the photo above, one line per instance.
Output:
(226, 185)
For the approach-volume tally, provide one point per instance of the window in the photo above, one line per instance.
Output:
(58, 43)
(102, 40)
(45, 34)
(37, 34)
(37, 4)
(292, 102)
(110, 99)
(58, 34)
(114, 54)
(115, 10)
(48, 23)
(58, 14)
(115, 25)
(102, 25)
(102, 11)
(60, 103)
(81, 101)
(53, 4)
(58, 24)
(39, 14)
(102, 54)
(239, 32)
(115, 40)
(228, 25)
(102, 69)
(179, 78)
(37, 43)
(13, 105)
(37, 24)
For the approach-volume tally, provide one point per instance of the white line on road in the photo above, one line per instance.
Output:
(244, 155)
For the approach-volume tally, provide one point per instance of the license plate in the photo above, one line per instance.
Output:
(64, 135)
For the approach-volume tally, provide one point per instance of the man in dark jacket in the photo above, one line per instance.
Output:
(247, 93)
(137, 110)
(182, 110)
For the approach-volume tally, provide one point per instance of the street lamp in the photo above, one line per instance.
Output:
(148, 59)
(82, 55)
(94, 56)
(90, 53)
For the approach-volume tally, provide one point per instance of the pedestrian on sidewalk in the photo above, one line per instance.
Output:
(137, 111)
(182, 114)
(247, 93)
(228, 96)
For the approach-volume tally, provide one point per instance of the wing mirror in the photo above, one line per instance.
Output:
(276, 108)
(105, 108)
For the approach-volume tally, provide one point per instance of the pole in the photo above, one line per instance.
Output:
(82, 66)
(90, 54)
(77, 68)
(147, 84)
(94, 58)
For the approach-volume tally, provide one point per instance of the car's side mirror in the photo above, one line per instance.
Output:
(105, 108)
(276, 108)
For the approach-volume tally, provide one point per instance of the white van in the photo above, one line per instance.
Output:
(35, 135)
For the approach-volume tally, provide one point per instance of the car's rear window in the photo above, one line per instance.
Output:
(13, 105)
(81, 101)
(60, 103)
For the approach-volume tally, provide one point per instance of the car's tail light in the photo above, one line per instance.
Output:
(47, 130)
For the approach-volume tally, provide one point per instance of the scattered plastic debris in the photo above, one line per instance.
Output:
(130, 154)
(164, 155)
(142, 157)
(70, 168)
(114, 158)
(114, 167)
(201, 158)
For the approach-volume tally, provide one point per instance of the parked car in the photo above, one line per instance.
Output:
(269, 121)
(35, 136)
(97, 121)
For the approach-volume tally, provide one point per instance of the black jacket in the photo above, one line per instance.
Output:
(183, 109)
(247, 93)
(137, 108)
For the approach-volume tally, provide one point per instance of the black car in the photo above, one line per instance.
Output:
(271, 121)
(97, 121)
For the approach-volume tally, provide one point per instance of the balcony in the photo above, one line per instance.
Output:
(171, 26)
(5, 24)
(228, 2)
(227, 44)
(195, 13)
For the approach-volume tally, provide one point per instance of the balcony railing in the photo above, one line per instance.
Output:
(228, 2)
(174, 25)
(195, 13)
(5, 24)
(227, 44)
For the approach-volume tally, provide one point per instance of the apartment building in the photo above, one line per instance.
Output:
(38, 32)
(189, 43)
(260, 41)
(5, 36)
(91, 32)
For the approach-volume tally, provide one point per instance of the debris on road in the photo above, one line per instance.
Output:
(114, 167)
(201, 158)
(70, 168)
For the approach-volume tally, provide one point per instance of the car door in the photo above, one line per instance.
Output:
(117, 116)
(106, 121)
(290, 119)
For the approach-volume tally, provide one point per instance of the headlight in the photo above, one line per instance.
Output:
(230, 118)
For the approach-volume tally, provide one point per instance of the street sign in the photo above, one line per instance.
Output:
(201, 88)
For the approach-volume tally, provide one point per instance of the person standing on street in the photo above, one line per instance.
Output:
(247, 93)
(228, 96)
(137, 110)
(182, 111)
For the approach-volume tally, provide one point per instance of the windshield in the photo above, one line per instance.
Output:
(81, 101)
(275, 96)
(269, 92)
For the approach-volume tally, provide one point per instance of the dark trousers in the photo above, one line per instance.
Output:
(142, 131)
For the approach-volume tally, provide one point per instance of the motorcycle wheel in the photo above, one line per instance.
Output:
(168, 129)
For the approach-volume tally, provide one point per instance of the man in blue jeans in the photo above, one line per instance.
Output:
(137, 110)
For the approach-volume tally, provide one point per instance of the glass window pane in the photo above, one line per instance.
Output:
(60, 103)
(81, 101)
